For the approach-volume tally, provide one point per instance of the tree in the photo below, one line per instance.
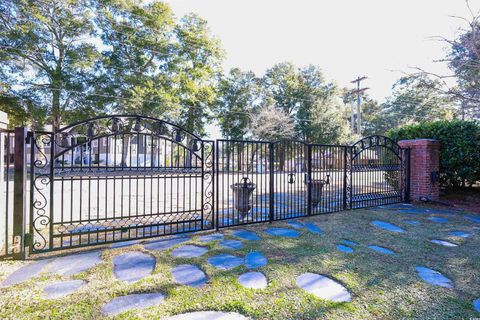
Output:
(139, 44)
(415, 99)
(46, 41)
(271, 124)
(195, 70)
(238, 95)
(463, 59)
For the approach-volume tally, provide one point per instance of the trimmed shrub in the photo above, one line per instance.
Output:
(459, 151)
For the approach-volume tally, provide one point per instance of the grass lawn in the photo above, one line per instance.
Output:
(382, 286)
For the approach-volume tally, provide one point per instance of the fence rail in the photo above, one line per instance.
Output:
(129, 177)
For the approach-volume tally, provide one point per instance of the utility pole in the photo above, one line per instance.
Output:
(358, 91)
(352, 116)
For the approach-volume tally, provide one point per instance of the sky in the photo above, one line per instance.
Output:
(380, 39)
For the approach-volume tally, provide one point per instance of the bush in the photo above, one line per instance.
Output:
(459, 151)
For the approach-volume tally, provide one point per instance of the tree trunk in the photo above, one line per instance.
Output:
(125, 149)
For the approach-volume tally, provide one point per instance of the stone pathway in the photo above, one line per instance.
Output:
(133, 266)
(295, 224)
(444, 243)
(313, 228)
(323, 287)
(189, 251)
(25, 273)
(208, 315)
(387, 226)
(61, 289)
(246, 235)
(211, 237)
(124, 244)
(343, 248)
(189, 275)
(74, 264)
(381, 249)
(255, 260)
(472, 218)
(225, 261)
(231, 244)
(434, 277)
(283, 232)
(412, 222)
(349, 242)
(476, 305)
(133, 301)
(164, 244)
(460, 234)
(253, 280)
(438, 219)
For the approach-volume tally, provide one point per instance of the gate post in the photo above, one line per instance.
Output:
(309, 179)
(345, 159)
(271, 180)
(19, 193)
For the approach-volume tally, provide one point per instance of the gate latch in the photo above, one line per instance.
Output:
(16, 245)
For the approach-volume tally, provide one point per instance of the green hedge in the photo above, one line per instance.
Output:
(460, 148)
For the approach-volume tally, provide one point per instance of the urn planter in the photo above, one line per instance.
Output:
(242, 196)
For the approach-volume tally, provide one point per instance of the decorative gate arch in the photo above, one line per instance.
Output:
(378, 173)
(117, 178)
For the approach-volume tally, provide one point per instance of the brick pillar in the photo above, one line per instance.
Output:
(424, 160)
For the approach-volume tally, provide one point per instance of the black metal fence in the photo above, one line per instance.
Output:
(127, 177)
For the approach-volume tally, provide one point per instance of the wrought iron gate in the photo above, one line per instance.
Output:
(125, 177)
(118, 178)
(265, 181)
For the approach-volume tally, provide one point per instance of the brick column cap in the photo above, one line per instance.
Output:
(419, 143)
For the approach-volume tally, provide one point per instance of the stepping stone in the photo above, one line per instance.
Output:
(246, 235)
(283, 232)
(165, 243)
(434, 277)
(255, 260)
(349, 242)
(124, 244)
(341, 247)
(225, 261)
(381, 249)
(74, 264)
(476, 305)
(473, 218)
(62, 288)
(438, 219)
(253, 280)
(387, 226)
(231, 244)
(444, 243)
(211, 237)
(313, 228)
(295, 224)
(208, 315)
(133, 266)
(413, 211)
(134, 301)
(412, 222)
(25, 273)
(323, 287)
(189, 251)
(461, 234)
(189, 275)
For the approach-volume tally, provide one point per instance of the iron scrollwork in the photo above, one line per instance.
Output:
(208, 162)
(40, 181)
